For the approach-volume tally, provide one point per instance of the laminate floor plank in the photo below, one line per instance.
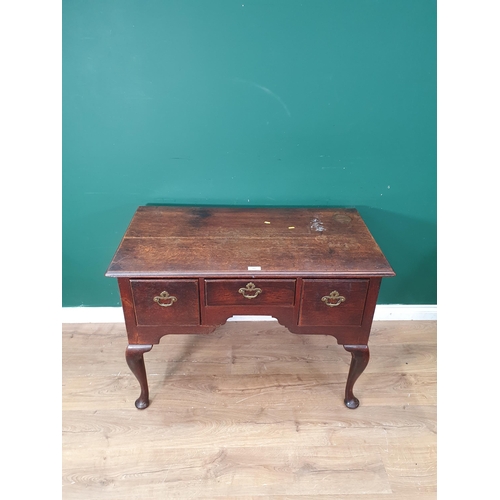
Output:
(250, 411)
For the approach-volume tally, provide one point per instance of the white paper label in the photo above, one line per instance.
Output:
(254, 268)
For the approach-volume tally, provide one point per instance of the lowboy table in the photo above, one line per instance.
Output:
(189, 269)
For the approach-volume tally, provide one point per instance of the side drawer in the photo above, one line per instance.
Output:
(250, 292)
(166, 302)
(333, 302)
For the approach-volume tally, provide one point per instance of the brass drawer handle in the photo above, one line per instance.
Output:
(250, 289)
(165, 296)
(334, 296)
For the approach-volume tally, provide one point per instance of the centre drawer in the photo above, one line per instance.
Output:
(259, 292)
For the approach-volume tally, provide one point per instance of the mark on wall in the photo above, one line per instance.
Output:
(267, 91)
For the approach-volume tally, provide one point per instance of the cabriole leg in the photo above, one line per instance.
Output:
(135, 361)
(360, 355)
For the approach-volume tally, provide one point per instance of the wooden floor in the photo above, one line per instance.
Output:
(250, 411)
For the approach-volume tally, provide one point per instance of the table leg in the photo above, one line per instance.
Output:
(360, 355)
(135, 361)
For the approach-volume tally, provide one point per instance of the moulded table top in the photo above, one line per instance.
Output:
(166, 241)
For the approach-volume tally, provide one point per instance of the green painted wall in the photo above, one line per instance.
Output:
(249, 102)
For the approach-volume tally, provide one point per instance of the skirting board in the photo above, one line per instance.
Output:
(382, 313)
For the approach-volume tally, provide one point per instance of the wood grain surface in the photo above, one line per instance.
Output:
(249, 411)
(163, 241)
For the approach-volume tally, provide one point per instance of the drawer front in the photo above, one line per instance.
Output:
(166, 302)
(250, 292)
(333, 302)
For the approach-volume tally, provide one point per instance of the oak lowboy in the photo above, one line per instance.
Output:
(189, 269)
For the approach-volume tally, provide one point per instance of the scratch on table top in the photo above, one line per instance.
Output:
(317, 225)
